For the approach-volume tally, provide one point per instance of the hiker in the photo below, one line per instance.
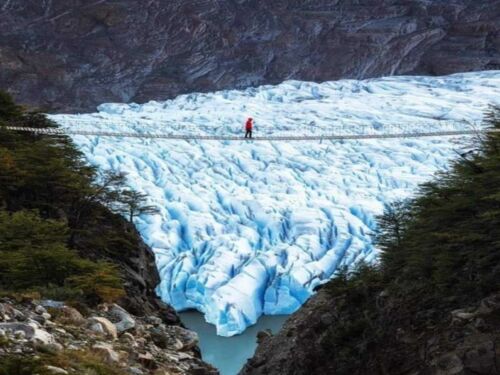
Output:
(248, 128)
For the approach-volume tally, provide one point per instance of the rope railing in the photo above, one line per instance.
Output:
(304, 137)
(286, 128)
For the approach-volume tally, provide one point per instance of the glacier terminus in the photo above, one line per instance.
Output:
(250, 228)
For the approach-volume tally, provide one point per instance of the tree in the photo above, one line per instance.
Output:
(55, 220)
(392, 223)
(33, 255)
(90, 193)
(102, 284)
(33, 251)
(132, 203)
(8, 109)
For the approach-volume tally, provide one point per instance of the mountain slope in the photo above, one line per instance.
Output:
(72, 56)
(251, 228)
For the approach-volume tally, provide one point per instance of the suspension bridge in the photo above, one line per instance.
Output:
(401, 133)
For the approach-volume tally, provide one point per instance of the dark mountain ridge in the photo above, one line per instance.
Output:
(69, 56)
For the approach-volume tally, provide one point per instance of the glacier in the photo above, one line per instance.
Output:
(250, 228)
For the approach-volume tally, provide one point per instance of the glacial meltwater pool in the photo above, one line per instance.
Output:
(228, 354)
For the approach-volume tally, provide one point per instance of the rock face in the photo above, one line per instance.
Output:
(72, 55)
(463, 341)
(136, 261)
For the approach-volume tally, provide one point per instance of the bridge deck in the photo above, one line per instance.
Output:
(315, 137)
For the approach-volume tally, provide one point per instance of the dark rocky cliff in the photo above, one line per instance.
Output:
(134, 259)
(423, 341)
(72, 55)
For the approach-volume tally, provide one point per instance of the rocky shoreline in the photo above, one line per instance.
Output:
(135, 345)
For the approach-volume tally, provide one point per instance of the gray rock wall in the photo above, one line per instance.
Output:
(71, 55)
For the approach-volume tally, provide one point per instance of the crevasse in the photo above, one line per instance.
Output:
(247, 228)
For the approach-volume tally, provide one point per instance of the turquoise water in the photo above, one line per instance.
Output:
(228, 354)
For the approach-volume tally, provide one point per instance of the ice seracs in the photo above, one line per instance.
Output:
(247, 228)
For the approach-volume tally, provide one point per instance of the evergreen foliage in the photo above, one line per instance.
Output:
(16, 365)
(440, 251)
(132, 204)
(450, 238)
(52, 209)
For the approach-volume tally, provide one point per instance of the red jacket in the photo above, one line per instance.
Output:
(249, 125)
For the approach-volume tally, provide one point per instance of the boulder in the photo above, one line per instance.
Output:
(97, 327)
(135, 371)
(173, 337)
(5, 311)
(51, 303)
(29, 330)
(153, 320)
(18, 315)
(128, 338)
(19, 335)
(162, 340)
(46, 316)
(188, 339)
(43, 337)
(182, 356)
(49, 348)
(108, 327)
(56, 370)
(147, 360)
(8, 312)
(107, 352)
(39, 309)
(126, 322)
(70, 315)
(38, 319)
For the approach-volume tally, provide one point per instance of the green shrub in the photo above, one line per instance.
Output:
(35, 257)
(84, 362)
(447, 239)
(20, 365)
(102, 284)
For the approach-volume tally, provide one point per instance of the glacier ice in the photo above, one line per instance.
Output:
(250, 228)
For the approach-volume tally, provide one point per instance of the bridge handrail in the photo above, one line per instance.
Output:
(319, 137)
